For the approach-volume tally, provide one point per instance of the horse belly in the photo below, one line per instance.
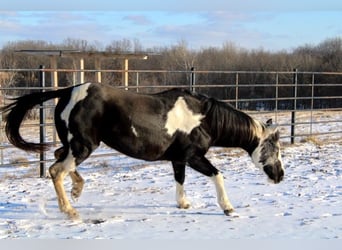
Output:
(146, 147)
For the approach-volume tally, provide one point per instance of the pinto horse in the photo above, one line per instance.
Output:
(175, 125)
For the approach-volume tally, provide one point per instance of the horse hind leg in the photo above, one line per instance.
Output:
(59, 153)
(77, 185)
(58, 171)
(77, 180)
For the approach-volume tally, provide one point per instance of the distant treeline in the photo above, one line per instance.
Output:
(323, 57)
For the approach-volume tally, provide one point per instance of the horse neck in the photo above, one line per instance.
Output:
(234, 128)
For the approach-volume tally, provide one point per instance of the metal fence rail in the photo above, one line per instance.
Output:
(297, 101)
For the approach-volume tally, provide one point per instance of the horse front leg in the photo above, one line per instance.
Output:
(77, 185)
(202, 165)
(58, 173)
(222, 197)
(179, 175)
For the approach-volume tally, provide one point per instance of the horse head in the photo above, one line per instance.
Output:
(266, 155)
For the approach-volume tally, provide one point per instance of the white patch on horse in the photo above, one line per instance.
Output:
(180, 197)
(78, 94)
(256, 157)
(134, 131)
(181, 118)
(69, 163)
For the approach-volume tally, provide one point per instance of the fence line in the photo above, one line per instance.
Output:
(299, 112)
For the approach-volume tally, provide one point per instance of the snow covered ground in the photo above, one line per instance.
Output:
(126, 198)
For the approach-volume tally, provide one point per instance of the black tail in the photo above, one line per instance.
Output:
(18, 111)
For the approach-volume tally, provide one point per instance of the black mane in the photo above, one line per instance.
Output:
(230, 126)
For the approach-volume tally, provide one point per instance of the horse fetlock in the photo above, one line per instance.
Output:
(226, 205)
(181, 199)
(66, 208)
(184, 204)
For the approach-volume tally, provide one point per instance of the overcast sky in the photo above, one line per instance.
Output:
(269, 24)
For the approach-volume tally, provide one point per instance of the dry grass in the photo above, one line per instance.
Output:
(19, 161)
(311, 139)
(32, 172)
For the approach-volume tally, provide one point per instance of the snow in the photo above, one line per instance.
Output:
(125, 198)
(137, 200)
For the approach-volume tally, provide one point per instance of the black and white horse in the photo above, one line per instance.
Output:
(174, 125)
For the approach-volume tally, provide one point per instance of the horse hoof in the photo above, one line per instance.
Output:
(73, 214)
(75, 194)
(228, 212)
(184, 206)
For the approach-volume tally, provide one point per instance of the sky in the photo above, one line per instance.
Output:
(250, 24)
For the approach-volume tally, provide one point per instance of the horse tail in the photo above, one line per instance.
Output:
(17, 112)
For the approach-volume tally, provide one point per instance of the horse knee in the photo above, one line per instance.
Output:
(202, 165)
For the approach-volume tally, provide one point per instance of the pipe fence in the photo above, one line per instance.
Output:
(305, 105)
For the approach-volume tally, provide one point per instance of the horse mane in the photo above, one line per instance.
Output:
(230, 126)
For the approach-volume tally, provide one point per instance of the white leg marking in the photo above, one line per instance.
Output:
(180, 197)
(58, 171)
(69, 163)
(222, 197)
(181, 118)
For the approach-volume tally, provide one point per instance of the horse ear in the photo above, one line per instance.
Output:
(269, 122)
(272, 129)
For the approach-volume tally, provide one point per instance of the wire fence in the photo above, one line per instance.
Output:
(305, 105)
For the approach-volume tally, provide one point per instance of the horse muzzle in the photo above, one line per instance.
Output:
(275, 173)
